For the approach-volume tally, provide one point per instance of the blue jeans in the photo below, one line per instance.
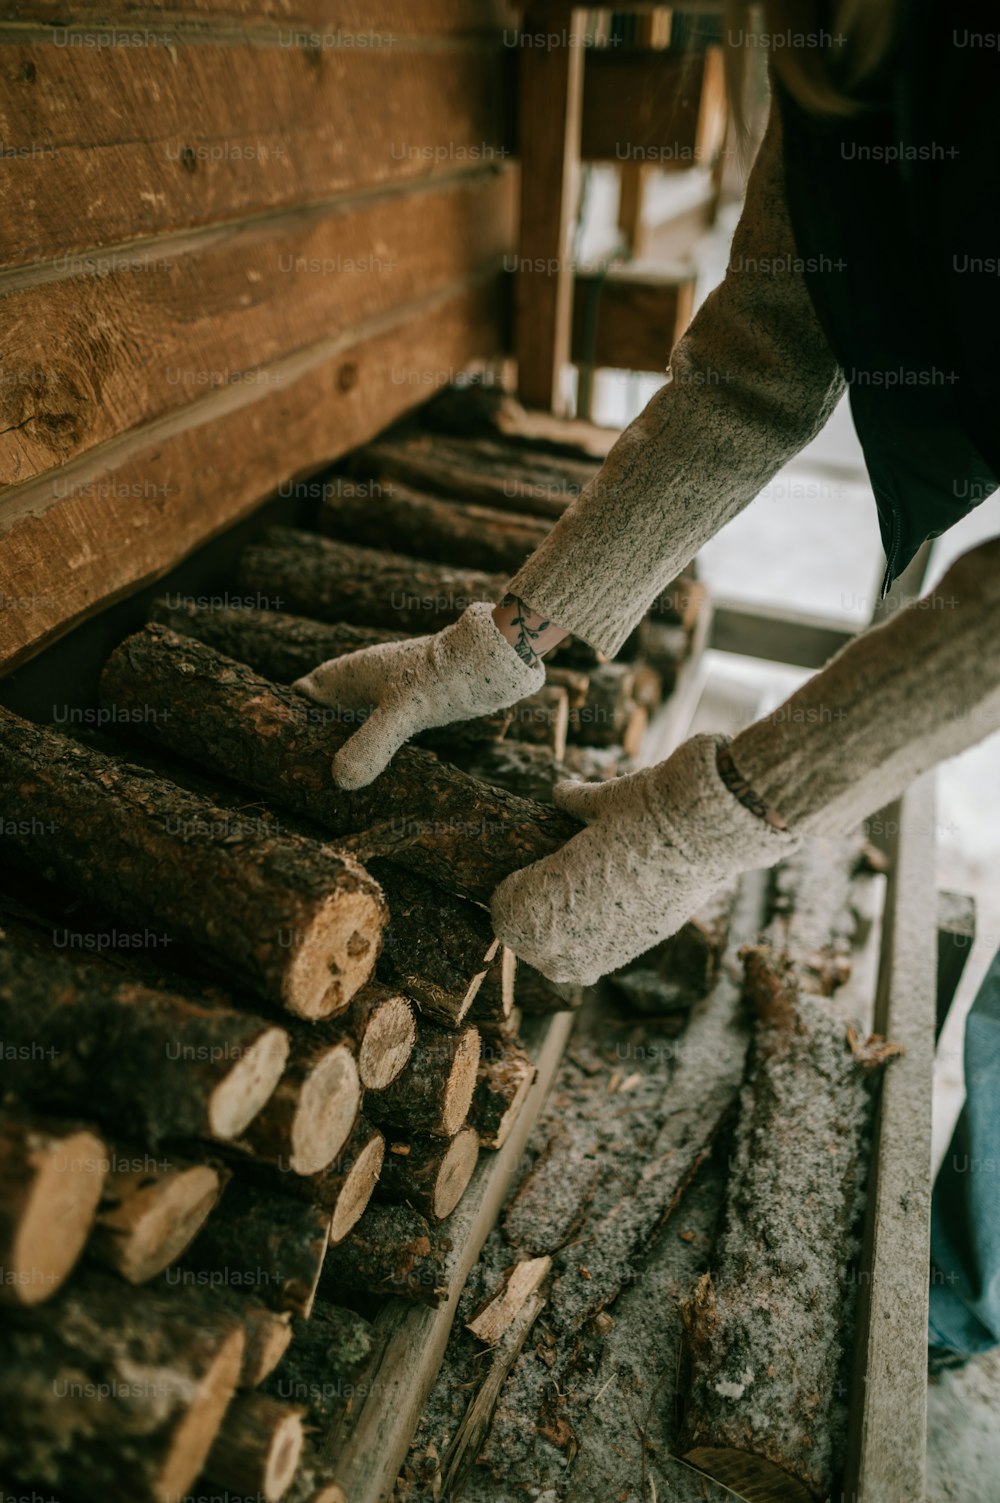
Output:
(965, 1208)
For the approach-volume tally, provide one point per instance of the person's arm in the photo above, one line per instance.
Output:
(749, 384)
(897, 700)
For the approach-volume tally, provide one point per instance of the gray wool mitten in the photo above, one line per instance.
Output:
(467, 669)
(657, 842)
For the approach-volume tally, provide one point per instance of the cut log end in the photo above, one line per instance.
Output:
(60, 1178)
(193, 1437)
(335, 954)
(258, 1447)
(357, 1188)
(461, 1084)
(387, 1043)
(146, 1221)
(457, 1168)
(327, 1108)
(239, 1097)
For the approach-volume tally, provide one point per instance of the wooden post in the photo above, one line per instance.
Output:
(887, 1435)
(550, 105)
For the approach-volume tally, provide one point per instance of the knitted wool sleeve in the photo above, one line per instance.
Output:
(750, 383)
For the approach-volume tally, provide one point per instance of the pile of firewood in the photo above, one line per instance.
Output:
(208, 1171)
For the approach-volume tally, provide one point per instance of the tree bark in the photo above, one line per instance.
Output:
(224, 717)
(768, 1328)
(149, 1212)
(574, 680)
(153, 1065)
(413, 522)
(542, 719)
(494, 1001)
(294, 921)
(525, 770)
(430, 1176)
(392, 1250)
(610, 716)
(284, 648)
(527, 480)
(270, 1245)
(257, 1447)
(148, 1377)
(433, 1094)
(552, 1201)
(51, 1177)
(266, 1334)
(503, 1082)
(325, 1365)
(437, 948)
(315, 576)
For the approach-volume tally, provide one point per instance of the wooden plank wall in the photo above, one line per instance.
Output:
(237, 238)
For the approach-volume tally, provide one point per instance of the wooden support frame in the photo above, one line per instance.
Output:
(551, 88)
(654, 106)
(887, 1439)
(641, 313)
(804, 639)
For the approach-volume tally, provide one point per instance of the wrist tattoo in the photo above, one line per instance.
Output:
(526, 634)
(741, 790)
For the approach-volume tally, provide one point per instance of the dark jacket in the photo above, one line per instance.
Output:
(896, 214)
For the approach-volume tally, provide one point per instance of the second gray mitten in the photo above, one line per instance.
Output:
(657, 842)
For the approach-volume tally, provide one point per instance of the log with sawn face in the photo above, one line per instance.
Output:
(284, 647)
(288, 917)
(154, 1065)
(423, 526)
(150, 1373)
(314, 576)
(467, 836)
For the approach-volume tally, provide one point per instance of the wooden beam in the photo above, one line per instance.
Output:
(887, 1438)
(127, 513)
(551, 92)
(754, 630)
(661, 107)
(359, 23)
(640, 314)
(147, 140)
(225, 303)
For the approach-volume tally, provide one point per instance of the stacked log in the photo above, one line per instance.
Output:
(432, 1094)
(610, 714)
(420, 524)
(257, 1447)
(430, 1176)
(768, 1327)
(392, 1250)
(267, 737)
(314, 1162)
(149, 1212)
(295, 922)
(283, 647)
(504, 1079)
(51, 1178)
(270, 1245)
(106, 1398)
(154, 1065)
(331, 581)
